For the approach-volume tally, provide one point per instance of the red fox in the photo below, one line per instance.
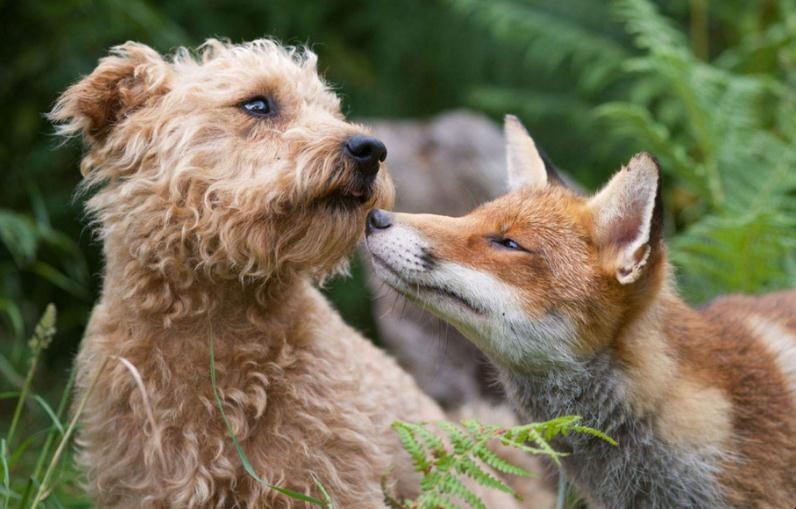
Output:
(572, 298)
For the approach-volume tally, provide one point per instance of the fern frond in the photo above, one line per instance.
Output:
(586, 430)
(472, 470)
(432, 442)
(745, 253)
(712, 129)
(550, 40)
(635, 121)
(411, 445)
(388, 497)
(496, 462)
(455, 487)
(651, 30)
(461, 442)
(542, 443)
(467, 455)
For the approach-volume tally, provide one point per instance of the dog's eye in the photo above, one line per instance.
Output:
(507, 243)
(258, 106)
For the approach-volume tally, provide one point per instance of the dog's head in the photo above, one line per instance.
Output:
(235, 161)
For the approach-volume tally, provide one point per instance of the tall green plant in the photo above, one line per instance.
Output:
(28, 463)
(728, 141)
(718, 114)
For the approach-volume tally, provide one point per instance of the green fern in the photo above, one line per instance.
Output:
(717, 138)
(445, 453)
(724, 130)
(553, 36)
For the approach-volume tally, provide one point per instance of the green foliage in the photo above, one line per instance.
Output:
(571, 56)
(31, 470)
(25, 237)
(445, 454)
(727, 140)
(555, 36)
(722, 124)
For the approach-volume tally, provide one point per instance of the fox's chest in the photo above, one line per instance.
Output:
(642, 471)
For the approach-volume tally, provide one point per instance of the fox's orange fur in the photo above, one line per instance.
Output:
(573, 298)
(215, 224)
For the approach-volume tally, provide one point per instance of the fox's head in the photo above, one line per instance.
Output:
(542, 276)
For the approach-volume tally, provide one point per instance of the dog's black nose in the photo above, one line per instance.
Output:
(367, 151)
(378, 220)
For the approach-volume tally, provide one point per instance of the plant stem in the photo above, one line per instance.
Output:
(45, 450)
(6, 478)
(23, 396)
(561, 498)
(41, 493)
(41, 338)
(699, 29)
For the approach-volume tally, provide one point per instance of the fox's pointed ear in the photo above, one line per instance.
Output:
(628, 218)
(525, 165)
(123, 81)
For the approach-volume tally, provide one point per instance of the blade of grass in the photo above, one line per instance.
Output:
(6, 476)
(49, 411)
(48, 442)
(8, 493)
(24, 445)
(241, 453)
(326, 497)
(11, 310)
(41, 493)
(59, 279)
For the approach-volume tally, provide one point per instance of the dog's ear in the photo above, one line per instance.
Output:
(123, 81)
(628, 218)
(527, 166)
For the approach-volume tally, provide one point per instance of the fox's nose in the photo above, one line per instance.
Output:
(378, 220)
(367, 152)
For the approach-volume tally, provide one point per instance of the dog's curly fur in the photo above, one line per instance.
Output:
(214, 225)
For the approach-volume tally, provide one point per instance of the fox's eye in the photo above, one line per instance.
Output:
(508, 244)
(258, 106)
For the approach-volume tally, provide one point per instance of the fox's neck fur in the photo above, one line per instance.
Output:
(644, 471)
